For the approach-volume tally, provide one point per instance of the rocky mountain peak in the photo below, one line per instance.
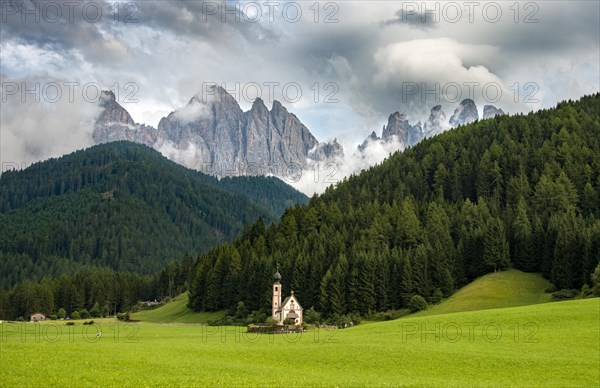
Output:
(220, 137)
(465, 113)
(436, 122)
(370, 139)
(490, 111)
(400, 130)
(397, 126)
(112, 111)
(326, 151)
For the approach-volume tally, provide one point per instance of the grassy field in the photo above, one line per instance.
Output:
(551, 344)
(176, 311)
(496, 290)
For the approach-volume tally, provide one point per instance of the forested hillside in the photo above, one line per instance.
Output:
(122, 206)
(520, 191)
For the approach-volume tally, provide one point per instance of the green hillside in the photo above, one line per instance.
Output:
(544, 345)
(123, 206)
(176, 311)
(496, 290)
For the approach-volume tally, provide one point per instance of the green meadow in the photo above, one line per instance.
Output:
(550, 344)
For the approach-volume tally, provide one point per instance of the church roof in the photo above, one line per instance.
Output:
(286, 300)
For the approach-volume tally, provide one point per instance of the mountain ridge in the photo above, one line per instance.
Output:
(223, 138)
(400, 132)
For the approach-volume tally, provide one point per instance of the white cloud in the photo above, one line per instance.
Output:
(321, 175)
(31, 131)
(192, 112)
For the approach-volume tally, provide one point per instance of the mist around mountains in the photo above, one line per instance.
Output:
(212, 134)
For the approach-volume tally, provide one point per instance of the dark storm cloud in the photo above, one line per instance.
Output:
(63, 25)
(410, 19)
(96, 28)
(217, 21)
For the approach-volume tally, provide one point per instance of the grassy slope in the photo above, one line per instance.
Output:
(556, 344)
(496, 290)
(176, 311)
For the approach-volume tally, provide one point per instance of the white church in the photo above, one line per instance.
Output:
(289, 309)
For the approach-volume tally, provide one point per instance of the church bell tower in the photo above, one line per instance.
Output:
(276, 301)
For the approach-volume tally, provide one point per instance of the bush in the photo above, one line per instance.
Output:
(225, 321)
(95, 311)
(123, 316)
(75, 315)
(387, 315)
(437, 296)
(54, 317)
(84, 314)
(88, 323)
(564, 294)
(271, 322)
(62, 314)
(257, 316)
(343, 321)
(312, 316)
(417, 303)
(70, 323)
(586, 291)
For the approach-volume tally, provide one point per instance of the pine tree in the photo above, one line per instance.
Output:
(523, 252)
(495, 251)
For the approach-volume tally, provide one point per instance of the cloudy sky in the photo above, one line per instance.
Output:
(342, 67)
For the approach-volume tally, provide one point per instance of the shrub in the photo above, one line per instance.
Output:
(123, 316)
(257, 316)
(62, 314)
(387, 315)
(417, 303)
(312, 316)
(271, 322)
(343, 321)
(95, 311)
(84, 314)
(437, 296)
(564, 294)
(54, 317)
(75, 315)
(586, 291)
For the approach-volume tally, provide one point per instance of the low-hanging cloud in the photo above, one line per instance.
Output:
(322, 175)
(37, 130)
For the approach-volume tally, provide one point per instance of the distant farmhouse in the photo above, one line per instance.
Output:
(290, 309)
(35, 317)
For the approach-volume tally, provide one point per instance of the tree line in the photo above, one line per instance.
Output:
(123, 206)
(513, 191)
